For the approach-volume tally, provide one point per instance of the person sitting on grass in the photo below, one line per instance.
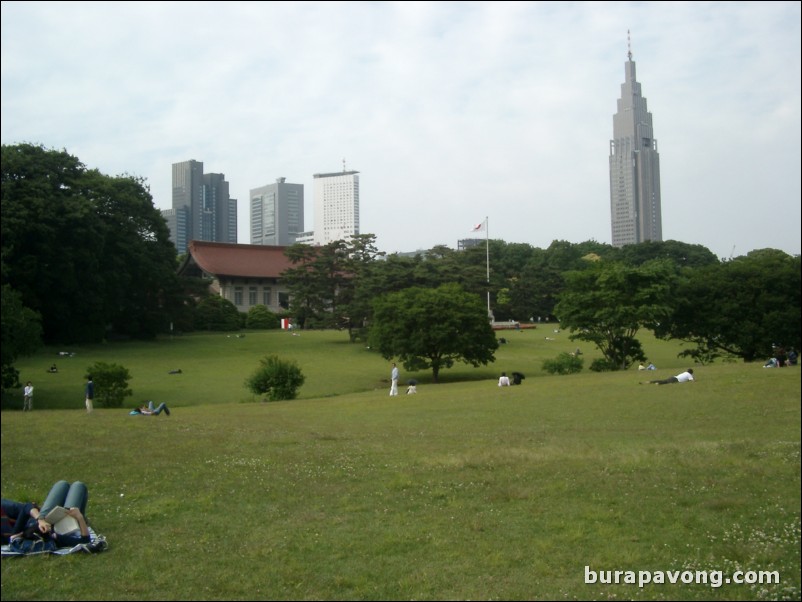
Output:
(150, 410)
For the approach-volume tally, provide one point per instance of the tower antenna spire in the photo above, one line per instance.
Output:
(629, 47)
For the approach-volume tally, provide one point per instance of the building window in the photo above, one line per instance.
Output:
(252, 296)
(284, 300)
(238, 296)
(266, 296)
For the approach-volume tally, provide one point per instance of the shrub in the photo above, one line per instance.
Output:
(111, 383)
(604, 365)
(565, 363)
(259, 317)
(276, 378)
(216, 313)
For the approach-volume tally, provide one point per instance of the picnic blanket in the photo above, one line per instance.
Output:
(26, 547)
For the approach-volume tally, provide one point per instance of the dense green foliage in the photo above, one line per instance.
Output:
(111, 383)
(21, 334)
(432, 328)
(332, 285)
(741, 307)
(90, 253)
(607, 303)
(261, 318)
(277, 378)
(216, 313)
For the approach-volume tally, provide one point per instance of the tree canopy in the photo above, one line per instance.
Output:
(21, 334)
(89, 252)
(608, 302)
(432, 328)
(741, 307)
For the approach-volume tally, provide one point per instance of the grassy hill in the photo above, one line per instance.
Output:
(463, 491)
(214, 366)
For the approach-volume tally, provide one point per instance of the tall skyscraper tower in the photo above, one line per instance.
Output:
(202, 208)
(635, 209)
(336, 206)
(277, 213)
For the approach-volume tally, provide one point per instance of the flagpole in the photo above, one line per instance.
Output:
(487, 254)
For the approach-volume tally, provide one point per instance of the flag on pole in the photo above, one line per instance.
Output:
(479, 227)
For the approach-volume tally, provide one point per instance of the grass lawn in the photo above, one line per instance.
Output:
(463, 491)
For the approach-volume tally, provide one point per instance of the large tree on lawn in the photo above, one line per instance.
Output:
(608, 303)
(433, 328)
(740, 307)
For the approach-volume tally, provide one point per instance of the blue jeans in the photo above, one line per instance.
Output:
(69, 496)
(162, 406)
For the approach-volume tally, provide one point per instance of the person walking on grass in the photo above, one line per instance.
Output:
(90, 394)
(27, 398)
(394, 381)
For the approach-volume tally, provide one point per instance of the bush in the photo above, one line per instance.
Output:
(565, 363)
(259, 317)
(276, 378)
(216, 313)
(604, 365)
(111, 383)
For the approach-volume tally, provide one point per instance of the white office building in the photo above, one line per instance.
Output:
(336, 202)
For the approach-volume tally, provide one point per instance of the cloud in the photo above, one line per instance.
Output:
(450, 111)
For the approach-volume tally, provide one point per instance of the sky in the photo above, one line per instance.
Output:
(451, 112)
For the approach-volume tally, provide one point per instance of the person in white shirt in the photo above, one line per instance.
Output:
(394, 381)
(685, 377)
(504, 380)
(27, 398)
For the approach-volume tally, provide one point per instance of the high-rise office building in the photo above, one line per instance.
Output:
(336, 206)
(277, 213)
(635, 207)
(219, 209)
(202, 207)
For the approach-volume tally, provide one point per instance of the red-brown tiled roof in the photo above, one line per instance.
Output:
(249, 261)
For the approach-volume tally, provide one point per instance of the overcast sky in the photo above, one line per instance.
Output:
(451, 111)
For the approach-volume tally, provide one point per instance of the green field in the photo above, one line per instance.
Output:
(463, 491)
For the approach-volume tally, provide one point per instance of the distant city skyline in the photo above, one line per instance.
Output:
(451, 111)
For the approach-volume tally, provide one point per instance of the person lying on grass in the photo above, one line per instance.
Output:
(72, 496)
(150, 410)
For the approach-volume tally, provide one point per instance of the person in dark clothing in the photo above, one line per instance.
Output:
(90, 394)
(15, 516)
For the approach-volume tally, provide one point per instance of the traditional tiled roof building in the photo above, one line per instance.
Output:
(246, 275)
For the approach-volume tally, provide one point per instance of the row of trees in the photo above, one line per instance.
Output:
(604, 295)
(87, 257)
